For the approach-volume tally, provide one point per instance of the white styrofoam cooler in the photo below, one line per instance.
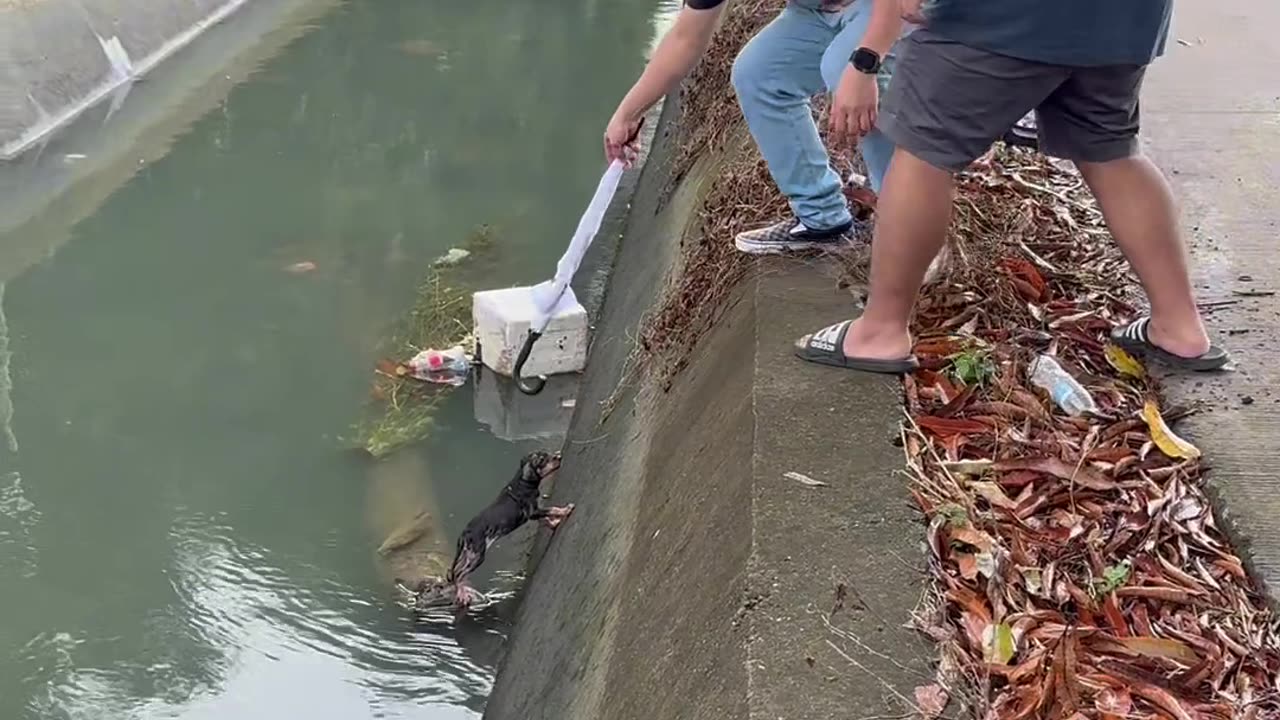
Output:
(502, 319)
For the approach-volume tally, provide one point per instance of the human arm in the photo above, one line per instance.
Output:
(674, 57)
(912, 11)
(855, 105)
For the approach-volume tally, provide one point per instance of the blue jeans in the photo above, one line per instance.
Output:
(795, 57)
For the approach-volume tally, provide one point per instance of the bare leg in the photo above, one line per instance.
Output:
(911, 227)
(1139, 208)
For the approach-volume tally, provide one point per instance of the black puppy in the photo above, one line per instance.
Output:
(517, 505)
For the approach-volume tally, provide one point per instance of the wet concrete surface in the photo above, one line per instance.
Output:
(1211, 120)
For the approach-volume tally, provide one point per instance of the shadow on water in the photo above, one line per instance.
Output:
(182, 533)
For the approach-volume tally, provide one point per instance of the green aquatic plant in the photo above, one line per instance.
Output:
(402, 409)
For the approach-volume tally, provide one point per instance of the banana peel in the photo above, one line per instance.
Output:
(1165, 439)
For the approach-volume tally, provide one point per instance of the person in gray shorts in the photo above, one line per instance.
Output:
(972, 69)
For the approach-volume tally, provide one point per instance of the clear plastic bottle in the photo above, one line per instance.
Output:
(1066, 392)
(449, 367)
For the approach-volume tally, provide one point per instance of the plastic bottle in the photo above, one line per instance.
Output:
(448, 367)
(1066, 392)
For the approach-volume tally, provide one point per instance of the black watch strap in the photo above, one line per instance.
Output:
(865, 60)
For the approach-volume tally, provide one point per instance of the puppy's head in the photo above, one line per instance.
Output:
(428, 592)
(538, 466)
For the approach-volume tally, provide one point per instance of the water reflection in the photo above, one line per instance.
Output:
(181, 531)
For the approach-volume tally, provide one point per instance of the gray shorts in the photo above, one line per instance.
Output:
(948, 102)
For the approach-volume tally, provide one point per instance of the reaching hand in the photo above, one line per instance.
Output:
(912, 11)
(620, 139)
(854, 108)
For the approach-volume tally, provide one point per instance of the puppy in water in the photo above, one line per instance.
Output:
(516, 505)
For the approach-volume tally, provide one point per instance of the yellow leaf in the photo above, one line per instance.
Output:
(998, 644)
(1124, 363)
(1169, 444)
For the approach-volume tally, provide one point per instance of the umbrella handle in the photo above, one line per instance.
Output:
(532, 386)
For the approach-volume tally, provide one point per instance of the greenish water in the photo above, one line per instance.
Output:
(182, 534)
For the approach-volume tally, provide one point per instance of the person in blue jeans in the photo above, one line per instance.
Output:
(844, 48)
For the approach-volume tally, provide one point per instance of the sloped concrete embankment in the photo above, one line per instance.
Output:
(59, 58)
(695, 580)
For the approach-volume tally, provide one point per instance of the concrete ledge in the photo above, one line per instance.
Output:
(694, 578)
(1210, 111)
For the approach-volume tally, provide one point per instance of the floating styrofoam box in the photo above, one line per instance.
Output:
(513, 416)
(502, 320)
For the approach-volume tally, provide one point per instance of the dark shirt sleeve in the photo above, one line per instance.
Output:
(703, 4)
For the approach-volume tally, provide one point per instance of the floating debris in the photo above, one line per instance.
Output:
(451, 258)
(403, 408)
(443, 367)
(299, 268)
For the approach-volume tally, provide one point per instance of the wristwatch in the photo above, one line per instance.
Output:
(865, 60)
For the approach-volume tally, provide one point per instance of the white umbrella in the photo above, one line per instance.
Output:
(547, 295)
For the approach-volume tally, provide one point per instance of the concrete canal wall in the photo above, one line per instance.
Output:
(59, 58)
(66, 176)
(694, 579)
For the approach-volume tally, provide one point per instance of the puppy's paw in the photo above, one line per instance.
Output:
(556, 515)
(465, 596)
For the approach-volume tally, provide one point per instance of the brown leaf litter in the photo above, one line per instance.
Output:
(1089, 539)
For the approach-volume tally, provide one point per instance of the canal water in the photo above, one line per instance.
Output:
(183, 530)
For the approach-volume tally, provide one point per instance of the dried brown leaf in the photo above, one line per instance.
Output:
(1162, 699)
(1146, 646)
(946, 427)
(1114, 703)
(1083, 476)
(992, 493)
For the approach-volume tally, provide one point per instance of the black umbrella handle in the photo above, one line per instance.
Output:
(531, 386)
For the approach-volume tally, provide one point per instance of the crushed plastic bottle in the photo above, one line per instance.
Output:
(446, 367)
(1068, 394)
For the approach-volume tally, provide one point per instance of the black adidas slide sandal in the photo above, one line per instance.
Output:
(825, 347)
(1133, 338)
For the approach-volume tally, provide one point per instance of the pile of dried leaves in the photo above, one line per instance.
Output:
(1081, 573)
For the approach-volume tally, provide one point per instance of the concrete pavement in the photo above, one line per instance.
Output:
(1211, 120)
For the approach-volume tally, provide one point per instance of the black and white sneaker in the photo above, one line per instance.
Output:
(791, 236)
